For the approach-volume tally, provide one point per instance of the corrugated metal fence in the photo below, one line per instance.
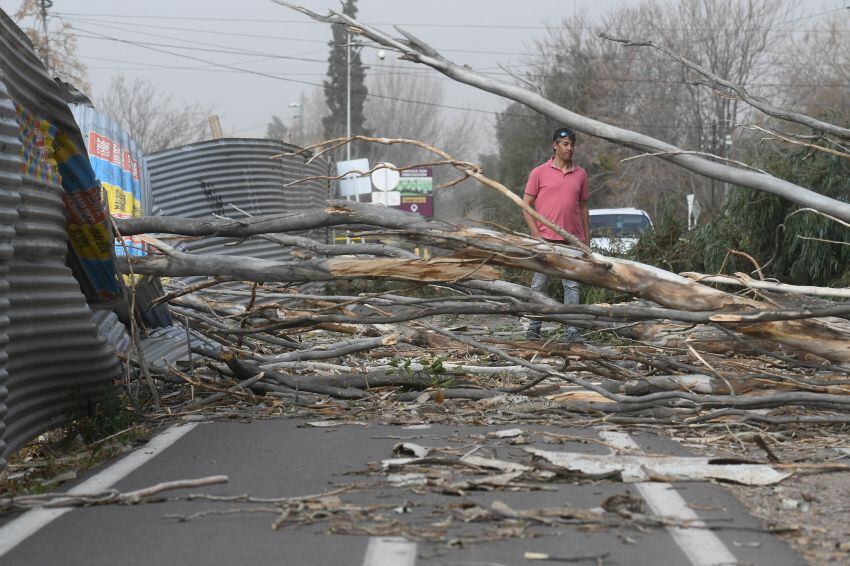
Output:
(48, 343)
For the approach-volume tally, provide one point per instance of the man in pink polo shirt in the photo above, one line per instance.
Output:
(558, 191)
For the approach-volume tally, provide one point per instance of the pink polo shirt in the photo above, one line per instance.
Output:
(557, 195)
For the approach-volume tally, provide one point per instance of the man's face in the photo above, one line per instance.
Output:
(564, 148)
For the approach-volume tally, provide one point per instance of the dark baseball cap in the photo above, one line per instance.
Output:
(563, 133)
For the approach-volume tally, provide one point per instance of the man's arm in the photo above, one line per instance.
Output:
(585, 220)
(530, 222)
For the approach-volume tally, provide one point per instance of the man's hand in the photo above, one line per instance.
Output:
(533, 230)
(585, 220)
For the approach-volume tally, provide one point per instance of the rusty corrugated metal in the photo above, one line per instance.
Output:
(231, 177)
(54, 354)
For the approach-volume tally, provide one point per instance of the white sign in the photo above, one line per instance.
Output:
(694, 210)
(386, 178)
(389, 198)
(353, 184)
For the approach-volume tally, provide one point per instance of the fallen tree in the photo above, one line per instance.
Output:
(694, 353)
(473, 253)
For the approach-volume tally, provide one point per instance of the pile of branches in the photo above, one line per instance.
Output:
(687, 352)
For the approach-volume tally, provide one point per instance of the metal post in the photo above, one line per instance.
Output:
(43, 6)
(300, 118)
(301, 125)
(348, 103)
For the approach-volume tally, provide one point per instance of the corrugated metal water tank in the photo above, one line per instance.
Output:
(54, 354)
(232, 177)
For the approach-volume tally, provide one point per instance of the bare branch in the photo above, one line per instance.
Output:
(788, 139)
(468, 169)
(744, 280)
(755, 102)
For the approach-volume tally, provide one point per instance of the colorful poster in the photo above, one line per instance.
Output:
(119, 175)
(53, 157)
(416, 187)
(419, 181)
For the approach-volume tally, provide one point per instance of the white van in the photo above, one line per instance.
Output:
(616, 230)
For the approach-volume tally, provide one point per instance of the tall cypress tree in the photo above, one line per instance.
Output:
(336, 83)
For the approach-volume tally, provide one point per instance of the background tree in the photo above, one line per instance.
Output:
(152, 117)
(646, 91)
(336, 84)
(277, 129)
(818, 71)
(405, 102)
(53, 42)
(801, 248)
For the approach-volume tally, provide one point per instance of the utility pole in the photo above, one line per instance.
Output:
(348, 100)
(300, 118)
(43, 6)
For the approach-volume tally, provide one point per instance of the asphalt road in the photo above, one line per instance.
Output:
(281, 458)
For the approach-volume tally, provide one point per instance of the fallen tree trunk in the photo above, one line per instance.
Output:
(294, 382)
(334, 250)
(652, 283)
(337, 213)
(180, 264)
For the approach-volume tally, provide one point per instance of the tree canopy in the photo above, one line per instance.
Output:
(336, 84)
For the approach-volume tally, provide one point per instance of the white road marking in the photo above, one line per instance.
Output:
(16, 531)
(701, 546)
(390, 551)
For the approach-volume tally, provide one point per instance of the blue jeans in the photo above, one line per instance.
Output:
(571, 297)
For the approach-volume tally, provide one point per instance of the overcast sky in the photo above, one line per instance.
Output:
(193, 38)
(183, 45)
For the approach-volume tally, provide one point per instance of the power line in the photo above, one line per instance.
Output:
(378, 70)
(291, 57)
(115, 27)
(233, 68)
(441, 25)
(208, 47)
(195, 30)
(153, 47)
(400, 99)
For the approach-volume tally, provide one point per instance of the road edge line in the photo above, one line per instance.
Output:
(18, 530)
